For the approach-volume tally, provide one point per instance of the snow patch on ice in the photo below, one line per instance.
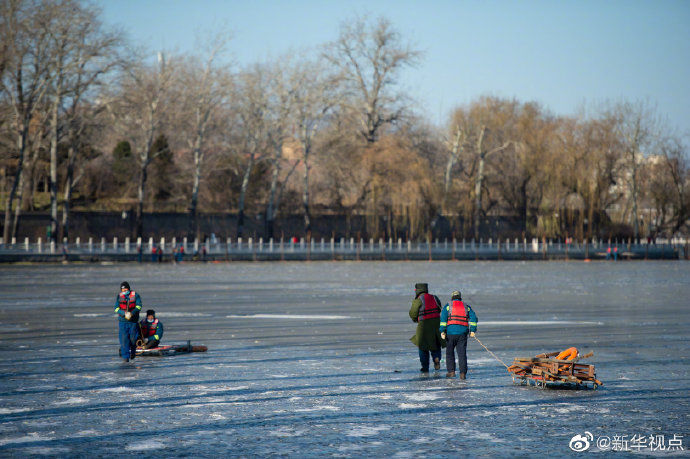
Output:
(31, 436)
(538, 322)
(47, 451)
(318, 408)
(288, 316)
(407, 453)
(182, 314)
(73, 401)
(287, 432)
(351, 447)
(366, 431)
(115, 389)
(95, 314)
(201, 390)
(406, 406)
(481, 361)
(421, 440)
(216, 416)
(421, 397)
(13, 410)
(145, 445)
(86, 433)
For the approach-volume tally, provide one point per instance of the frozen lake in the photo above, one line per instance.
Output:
(313, 359)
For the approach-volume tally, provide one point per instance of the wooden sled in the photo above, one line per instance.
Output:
(174, 349)
(544, 370)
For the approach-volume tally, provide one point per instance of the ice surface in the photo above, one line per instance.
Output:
(314, 359)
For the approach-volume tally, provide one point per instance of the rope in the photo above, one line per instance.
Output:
(494, 355)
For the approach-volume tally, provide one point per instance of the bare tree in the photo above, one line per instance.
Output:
(485, 130)
(204, 86)
(369, 58)
(25, 78)
(638, 128)
(677, 165)
(315, 94)
(80, 53)
(280, 100)
(95, 54)
(138, 110)
(251, 102)
(454, 146)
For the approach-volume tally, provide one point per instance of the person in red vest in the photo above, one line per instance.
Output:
(457, 319)
(127, 307)
(151, 330)
(426, 312)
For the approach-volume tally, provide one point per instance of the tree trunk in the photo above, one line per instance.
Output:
(524, 211)
(140, 205)
(634, 195)
(243, 192)
(53, 163)
(305, 197)
(452, 159)
(21, 147)
(18, 207)
(69, 183)
(478, 184)
(193, 219)
(269, 218)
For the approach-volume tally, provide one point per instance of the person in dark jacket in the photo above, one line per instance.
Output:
(127, 307)
(151, 330)
(457, 319)
(426, 312)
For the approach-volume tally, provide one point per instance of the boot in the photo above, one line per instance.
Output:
(462, 375)
(437, 363)
(450, 374)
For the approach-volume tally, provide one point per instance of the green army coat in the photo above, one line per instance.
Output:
(428, 335)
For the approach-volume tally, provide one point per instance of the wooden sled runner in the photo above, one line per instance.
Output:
(170, 350)
(546, 370)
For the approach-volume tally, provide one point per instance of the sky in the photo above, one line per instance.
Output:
(570, 56)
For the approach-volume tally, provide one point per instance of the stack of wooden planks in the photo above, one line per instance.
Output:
(546, 370)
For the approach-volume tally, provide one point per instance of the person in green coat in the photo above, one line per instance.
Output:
(426, 312)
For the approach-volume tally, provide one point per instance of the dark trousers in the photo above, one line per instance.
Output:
(129, 333)
(459, 343)
(424, 358)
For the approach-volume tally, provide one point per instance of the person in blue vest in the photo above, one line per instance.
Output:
(127, 307)
(457, 319)
(426, 312)
(151, 330)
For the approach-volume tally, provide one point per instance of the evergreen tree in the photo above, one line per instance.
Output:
(162, 170)
(123, 163)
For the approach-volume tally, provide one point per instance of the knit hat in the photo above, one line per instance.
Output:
(151, 312)
(456, 295)
(125, 284)
(421, 288)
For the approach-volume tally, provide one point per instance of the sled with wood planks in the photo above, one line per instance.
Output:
(546, 370)
(174, 349)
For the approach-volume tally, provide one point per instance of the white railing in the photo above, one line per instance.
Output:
(150, 246)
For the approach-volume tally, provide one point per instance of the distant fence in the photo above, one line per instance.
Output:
(174, 250)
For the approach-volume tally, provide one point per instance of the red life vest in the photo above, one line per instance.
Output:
(128, 303)
(149, 329)
(457, 313)
(430, 308)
